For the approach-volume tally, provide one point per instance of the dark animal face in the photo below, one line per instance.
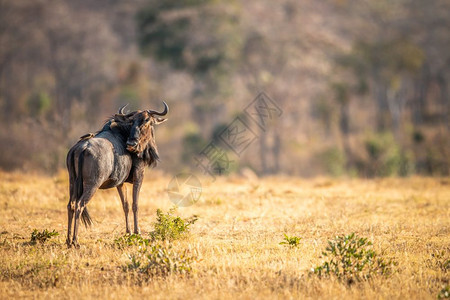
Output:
(142, 131)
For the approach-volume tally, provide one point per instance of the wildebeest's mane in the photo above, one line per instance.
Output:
(119, 126)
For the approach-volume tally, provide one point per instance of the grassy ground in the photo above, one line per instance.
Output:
(236, 239)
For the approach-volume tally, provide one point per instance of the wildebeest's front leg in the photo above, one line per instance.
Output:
(136, 188)
(70, 212)
(123, 197)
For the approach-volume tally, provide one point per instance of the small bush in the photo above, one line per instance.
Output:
(192, 144)
(159, 260)
(444, 293)
(131, 240)
(386, 158)
(170, 227)
(351, 258)
(291, 241)
(439, 260)
(43, 236)
(333, 160)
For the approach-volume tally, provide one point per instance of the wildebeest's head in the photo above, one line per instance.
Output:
(141, 139)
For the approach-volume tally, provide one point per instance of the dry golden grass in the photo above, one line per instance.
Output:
(236, 238)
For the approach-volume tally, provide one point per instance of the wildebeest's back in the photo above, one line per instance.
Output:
(106, 162)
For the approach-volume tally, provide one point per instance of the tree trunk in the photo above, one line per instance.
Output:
(263, 152)
(382, 106)
(418, 101)
(276, 150)
(344, 126)
(444, 100)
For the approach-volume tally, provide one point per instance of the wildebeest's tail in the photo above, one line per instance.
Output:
(85, 217)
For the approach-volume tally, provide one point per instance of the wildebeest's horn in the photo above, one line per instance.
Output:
(163, 113)
(121, 112)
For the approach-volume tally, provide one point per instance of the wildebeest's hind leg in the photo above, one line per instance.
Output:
(79, 207)
(72, 195)
(136, 188)
(123, 197)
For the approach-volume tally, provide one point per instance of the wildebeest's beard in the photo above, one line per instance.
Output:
(141, 140)
(150, 153)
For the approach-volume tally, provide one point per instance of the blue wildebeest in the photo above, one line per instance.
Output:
(118, 153)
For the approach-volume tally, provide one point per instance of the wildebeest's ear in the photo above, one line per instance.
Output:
(159, 121)
(120, 118)
(125, 118)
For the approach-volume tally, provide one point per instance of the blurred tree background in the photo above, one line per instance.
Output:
(363, 85)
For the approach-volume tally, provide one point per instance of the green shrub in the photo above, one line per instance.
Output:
(439, 260)
(131, 240)
(385, 158)
(159, 260)
(291, 241)
(436, 161)
(153, 258)
(444, 293)
(39, 103)
(193, 144)
(333, 160)
(352, 258)
(167, 227)
(170, 227)
(43, 236)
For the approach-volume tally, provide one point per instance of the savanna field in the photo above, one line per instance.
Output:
(233, 250)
